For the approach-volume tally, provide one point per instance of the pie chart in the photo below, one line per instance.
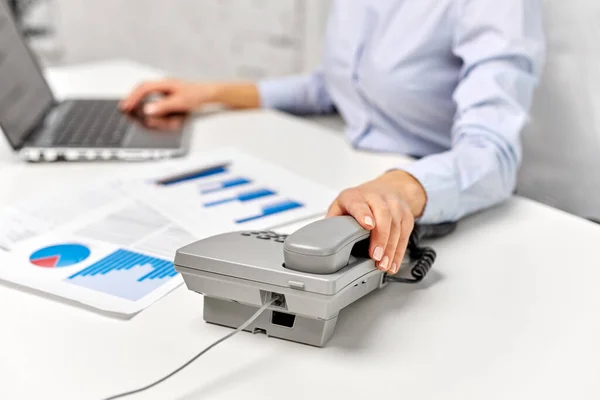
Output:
(62, 255)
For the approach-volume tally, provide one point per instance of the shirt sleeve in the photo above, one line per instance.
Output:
(301, 94)
(501, 45)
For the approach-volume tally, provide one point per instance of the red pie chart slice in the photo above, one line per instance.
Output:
(47, 262)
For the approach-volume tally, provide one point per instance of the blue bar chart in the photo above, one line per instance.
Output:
(271, 209)
(243, 197)
(223, 185)
(230, 190)
(125, 274)
(193, 175)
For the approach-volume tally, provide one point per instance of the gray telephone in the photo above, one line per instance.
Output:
(314, 273)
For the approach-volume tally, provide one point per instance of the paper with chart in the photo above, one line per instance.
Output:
(95, 246)
(110, 246)
(230, 191)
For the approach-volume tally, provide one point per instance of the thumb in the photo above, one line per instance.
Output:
(168, 105)
(335, 210)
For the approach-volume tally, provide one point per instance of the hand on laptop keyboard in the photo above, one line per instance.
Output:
(181, 97)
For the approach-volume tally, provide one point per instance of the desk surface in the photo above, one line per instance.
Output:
(511, 311)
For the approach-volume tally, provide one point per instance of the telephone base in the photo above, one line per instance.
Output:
(274, 323)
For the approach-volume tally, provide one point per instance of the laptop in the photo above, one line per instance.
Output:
(43, 129)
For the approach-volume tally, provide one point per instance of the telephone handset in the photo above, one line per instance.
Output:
(326, 246)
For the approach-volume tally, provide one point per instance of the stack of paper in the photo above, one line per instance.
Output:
(110, 246)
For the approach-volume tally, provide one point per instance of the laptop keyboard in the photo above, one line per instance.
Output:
(92, 123)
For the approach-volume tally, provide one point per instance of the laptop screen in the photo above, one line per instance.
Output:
(24, 94)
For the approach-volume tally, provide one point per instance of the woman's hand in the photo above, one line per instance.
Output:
(181, 97)
(387, 206)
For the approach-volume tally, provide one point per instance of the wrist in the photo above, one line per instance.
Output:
(409, 188)
(237, 95)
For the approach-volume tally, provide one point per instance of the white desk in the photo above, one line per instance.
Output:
(512, 311)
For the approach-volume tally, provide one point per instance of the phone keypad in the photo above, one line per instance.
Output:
(266, 235)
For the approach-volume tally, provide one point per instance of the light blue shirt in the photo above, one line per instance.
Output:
(449, 82)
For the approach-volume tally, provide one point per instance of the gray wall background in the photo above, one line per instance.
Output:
(210, 39)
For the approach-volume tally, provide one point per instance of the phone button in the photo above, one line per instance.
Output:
(296, 285)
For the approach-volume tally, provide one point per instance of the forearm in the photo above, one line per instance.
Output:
(303, 94)
(479, 172)
(502, 56)
(242, 95)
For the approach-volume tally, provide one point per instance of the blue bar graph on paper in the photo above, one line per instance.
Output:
(226, 184)
(243, 197)
(193, 175)
(125, 274)
(272, 209)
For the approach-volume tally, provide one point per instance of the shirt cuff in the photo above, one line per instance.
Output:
(283, 94)
(442, 194)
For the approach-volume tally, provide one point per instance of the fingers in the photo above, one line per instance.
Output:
(141, 91)
(168, 105)
(406, 229)
(387, 217)
(163, 124)
(381, 234)
(335, 209)
(396, 214)
(351, 202)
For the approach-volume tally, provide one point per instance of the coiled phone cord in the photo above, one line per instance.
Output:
(424, 257)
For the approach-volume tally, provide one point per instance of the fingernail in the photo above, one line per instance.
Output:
(378, 253)
(150, 108)
(369, 222)
(384, 263)
(394, 268)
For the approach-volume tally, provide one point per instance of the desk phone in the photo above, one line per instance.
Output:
(313, 273)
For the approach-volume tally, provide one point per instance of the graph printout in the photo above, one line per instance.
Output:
(230, 191)
(110, 246)
(96, 247)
